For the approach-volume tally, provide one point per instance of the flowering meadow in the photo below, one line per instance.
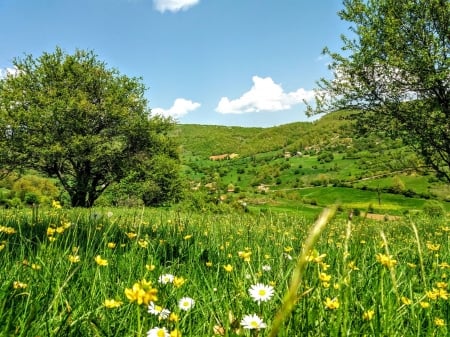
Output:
(146, 272)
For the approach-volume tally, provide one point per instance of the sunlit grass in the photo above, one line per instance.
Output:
(95, 273)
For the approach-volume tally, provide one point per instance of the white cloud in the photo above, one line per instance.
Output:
(8, 72)
(264, 95)
(174, 5)
(179, 108)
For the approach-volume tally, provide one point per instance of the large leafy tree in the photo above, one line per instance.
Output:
(393, 72)
(71, 117)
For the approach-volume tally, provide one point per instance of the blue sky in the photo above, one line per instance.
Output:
(221, 62)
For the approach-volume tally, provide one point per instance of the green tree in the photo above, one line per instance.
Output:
(393, 72)
(71, 117)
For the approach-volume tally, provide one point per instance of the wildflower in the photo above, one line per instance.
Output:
(444, 265)
(260, 292)
(111, 303)
(131, 235)
(111, 245)
(287, 256)
(56, 204)
(439, 322)
(166, 278)
(187, 237)
(253, 322)
(175, 333)
(324, 277)
(209, 264)
(331, 303)
(19, 285)
(424, 304)
(352, 265)
(142, 292)
(314, 256)
(173, 317)
(405, 300)
(159, 311)
(441, 285)
(386, 260)
(228, 268)
(158, 332)
(7, 230)
(150, 267)
(266, 268)
(178, 281)
(50, 231)
(35, 266)
(433, 247)
(267, 256)
(2, 246)
(60, 229)
(186, 303)
(368, 315)
(143, 243)
(411, 265)
(100, 261)
(288, 249)
(74, 258)
(245, 256)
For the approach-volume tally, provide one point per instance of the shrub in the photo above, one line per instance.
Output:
(433, 209)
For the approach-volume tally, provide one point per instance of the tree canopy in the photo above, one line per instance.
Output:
(71, 117)
(393, 72)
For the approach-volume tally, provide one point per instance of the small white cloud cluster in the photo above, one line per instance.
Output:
(174, 5)
(179, 108)
(264, 95)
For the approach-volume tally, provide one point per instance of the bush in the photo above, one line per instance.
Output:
(433, 209)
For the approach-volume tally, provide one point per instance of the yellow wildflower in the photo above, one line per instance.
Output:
(368, 315)
(209, 264)
(150, 267)
(175, 333)
(50, 231)
(131, 235)
(19, 285)
(424, 304)
(142, 293)
(143, 243)
(439, 322)
(228, 268)
(405, 300)
(56, 204)
(245, 255)
(324, 277)
(187, 237)
(331, 304)
(74, 258)
(386, 260)
(111, 303)
(100, 261)
(111, 245)
(433, 247)
(178, 281)
(7, 230)
(173, 317)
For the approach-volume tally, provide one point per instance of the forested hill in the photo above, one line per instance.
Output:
(208, 140)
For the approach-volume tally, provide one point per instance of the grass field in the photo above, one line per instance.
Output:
(144, 272)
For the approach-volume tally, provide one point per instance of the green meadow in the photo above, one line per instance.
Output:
(156, 272)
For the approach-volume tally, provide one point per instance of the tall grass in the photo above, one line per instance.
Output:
(357, 281)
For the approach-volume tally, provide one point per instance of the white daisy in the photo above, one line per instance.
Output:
(159, 311)
(166, 278)
(186, 303)
(266, 267)
(158, 332)
(253, 322)
(261, 292)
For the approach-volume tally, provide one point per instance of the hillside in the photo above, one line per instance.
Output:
(307, 163)
(208, 140)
